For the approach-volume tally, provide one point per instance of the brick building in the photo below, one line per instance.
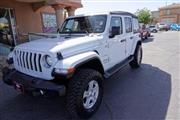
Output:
(170, 13)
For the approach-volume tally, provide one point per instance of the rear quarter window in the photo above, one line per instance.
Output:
(128, 24)
(135, 25)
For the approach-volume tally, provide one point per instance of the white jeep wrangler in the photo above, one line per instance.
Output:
(86, 50)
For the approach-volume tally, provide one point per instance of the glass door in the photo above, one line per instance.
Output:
(8, 35)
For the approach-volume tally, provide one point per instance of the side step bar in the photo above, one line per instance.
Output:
(118, 67)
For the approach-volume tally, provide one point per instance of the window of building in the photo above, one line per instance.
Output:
(168, 12)
(117, 22)
(8, 35)
(178, 11)
(128, 24)
(49, 23)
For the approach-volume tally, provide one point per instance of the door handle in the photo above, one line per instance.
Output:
(131, 37)
(123, 40)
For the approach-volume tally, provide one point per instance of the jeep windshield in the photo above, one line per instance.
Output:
(85, 24)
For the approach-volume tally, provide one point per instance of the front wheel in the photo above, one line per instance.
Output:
(136, 62)
(84, 94)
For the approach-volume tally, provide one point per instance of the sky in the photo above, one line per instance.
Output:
(92, 6)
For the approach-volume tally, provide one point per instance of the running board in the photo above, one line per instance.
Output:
(118, 67)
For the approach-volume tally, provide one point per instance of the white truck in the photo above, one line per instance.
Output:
(86, 50)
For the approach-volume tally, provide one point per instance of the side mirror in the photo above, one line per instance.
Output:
(114, 31)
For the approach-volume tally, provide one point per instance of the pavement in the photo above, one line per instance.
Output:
(2, 64)
(150, 92)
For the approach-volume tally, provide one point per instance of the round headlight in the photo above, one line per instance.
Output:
(47, 61)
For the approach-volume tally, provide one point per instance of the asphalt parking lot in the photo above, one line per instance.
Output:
(150, 92)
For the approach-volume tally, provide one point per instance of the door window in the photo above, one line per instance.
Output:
(117, 22)
(128, 24)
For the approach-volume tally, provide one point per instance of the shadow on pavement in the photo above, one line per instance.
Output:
(143, 93)
(150, 39)
(130, 94)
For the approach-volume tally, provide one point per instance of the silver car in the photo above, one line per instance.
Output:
(153, 28)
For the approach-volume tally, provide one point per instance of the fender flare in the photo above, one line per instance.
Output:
(139, 42)
(77, 60)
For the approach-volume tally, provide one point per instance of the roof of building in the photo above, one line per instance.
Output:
(174, 5)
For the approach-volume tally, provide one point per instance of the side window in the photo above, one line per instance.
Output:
(135, 25)
(128, 24)
(117, 22)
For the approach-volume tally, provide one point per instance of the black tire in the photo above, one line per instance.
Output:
(146, 37)
(135, 63)
(76, 88)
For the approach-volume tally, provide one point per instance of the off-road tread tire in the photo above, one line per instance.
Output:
(75, 91)
(134, 63)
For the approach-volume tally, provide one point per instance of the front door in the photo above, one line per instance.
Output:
(117, 43)
(7, 30)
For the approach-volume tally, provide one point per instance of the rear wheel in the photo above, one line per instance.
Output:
(84, 94)
(136, 62)
(155, 31)
(146, 37)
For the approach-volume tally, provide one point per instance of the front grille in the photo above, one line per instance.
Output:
(28, 60)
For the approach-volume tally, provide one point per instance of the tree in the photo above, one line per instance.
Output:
(144, 15)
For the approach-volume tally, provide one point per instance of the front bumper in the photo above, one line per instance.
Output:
(12, 77)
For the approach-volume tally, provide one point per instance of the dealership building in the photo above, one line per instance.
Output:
(19, 17)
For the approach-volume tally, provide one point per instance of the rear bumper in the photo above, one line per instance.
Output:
(13, 77)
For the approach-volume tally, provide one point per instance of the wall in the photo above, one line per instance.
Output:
(27, 20)
(173, 15)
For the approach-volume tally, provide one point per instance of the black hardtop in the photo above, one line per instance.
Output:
(123, 13)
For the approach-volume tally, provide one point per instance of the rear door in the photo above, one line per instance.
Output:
(129, 34)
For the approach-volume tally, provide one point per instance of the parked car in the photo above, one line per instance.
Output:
(144, 32)
(178, 27)
(175, 27)
(87, 49)
(153, 28)
(163, 26)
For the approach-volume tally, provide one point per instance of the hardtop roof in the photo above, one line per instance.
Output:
(106, 13)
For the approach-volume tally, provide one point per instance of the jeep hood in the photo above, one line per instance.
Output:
(67, 46)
